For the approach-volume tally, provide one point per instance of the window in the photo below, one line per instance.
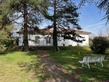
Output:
(37, 39)
(48, 40)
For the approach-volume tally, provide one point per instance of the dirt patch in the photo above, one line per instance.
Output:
(55, 71)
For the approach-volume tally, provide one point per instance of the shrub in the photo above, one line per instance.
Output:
(8, 43)
(2, 48)
(99, 45)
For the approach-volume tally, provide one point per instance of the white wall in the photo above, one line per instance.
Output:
(86, 42)
(68, 42)
(61, 41)
(20, 40)
(31, 41)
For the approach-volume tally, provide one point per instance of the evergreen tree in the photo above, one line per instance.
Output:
(64, 16)
(29, 11)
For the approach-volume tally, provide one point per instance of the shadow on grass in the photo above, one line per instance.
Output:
(70, 54)
(30, 53)
(28, 66)
(25, 64)
(69, 59)
(32, 65)
(95, 73)
(10, 49)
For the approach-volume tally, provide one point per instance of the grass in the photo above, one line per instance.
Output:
(69, 58)
(18, 67)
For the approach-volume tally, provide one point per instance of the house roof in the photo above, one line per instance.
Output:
(51, 31)
(82, 32)
(76, 31)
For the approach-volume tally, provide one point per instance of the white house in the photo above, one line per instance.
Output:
(36, 39)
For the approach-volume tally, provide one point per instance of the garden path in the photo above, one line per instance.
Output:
(54, 71)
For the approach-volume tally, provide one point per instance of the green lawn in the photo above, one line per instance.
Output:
(69, 58)
(18, 67)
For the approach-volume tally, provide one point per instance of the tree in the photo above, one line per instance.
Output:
(5, 35)
(99, 45)
(30, 12)
(64, 16)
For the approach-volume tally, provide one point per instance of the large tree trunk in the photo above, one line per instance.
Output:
(55, 45)
(25, 30)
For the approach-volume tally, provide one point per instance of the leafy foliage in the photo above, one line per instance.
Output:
(8, 43)
(100, 44)
(2, 48)
(12, 10)
(5, 35)
(30, 12)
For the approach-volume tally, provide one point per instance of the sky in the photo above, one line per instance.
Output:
(91, 19)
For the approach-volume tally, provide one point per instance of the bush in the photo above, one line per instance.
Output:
(99, 45)
(8, 43)
(2, 48)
